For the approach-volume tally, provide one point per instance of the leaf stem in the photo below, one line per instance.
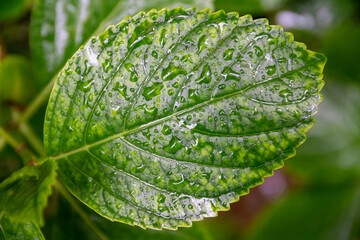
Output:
(19, 147)
(35, 104)
(65, 193)
(32, 138)
(8, 138)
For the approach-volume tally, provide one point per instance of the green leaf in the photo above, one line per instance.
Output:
(16, 79)
(315, 213)
(343, 66)
(169, 116)
(76, 228)
(59, 27)
(24, 194)
(18, 230)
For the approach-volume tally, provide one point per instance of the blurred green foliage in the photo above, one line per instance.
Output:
(16, 79)
(325, 202)
(12, 9)
(312, 213)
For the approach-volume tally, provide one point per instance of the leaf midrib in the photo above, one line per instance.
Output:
(144, 126)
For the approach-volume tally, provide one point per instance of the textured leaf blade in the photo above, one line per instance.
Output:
(169, 116)
(24, 194)
(78, 229)
(59, 27)
(18, 230)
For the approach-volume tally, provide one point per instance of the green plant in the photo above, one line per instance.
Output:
(159, 120)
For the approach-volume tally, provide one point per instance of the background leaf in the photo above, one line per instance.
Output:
(16, 79)
(59, 27)
(24, 194)
(255, 7)
(151, 127)
(327, 213)
(9, 10)
(18, 230)
(332, 155)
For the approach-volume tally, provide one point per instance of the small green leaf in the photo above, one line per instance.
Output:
(18, 230)
(168, 148)
(24, 194)
(59, 27)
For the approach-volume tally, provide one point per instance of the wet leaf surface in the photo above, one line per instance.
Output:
(66, 218)
(24, 193)
(169, 116)
(18, 230)
(59, 27)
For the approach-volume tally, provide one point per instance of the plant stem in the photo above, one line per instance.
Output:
(65, 193)
(19, 147)
(8, 138)
(32, 138)
(35, 104)
(2, 143)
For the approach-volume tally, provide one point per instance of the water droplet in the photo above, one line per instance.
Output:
(171, 72)
(133, 74)
(154, 15)
(258, 51)
(86, 86)
(222, 178)
(270, 70)
(193, 94)
(202, 44)
(166, 130)
(163, 37)
(228, 54)
(152, 91)
(174, 145)
(90, 97)
(161, 199)
(154, 54)
(189, 42)
(186, 58)
(171, 92)
(157, 179)
(140, 168)
(205, 76)
(285, 93)
(120, 89)
(78, 70)
(282, 60)
(163, 208)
